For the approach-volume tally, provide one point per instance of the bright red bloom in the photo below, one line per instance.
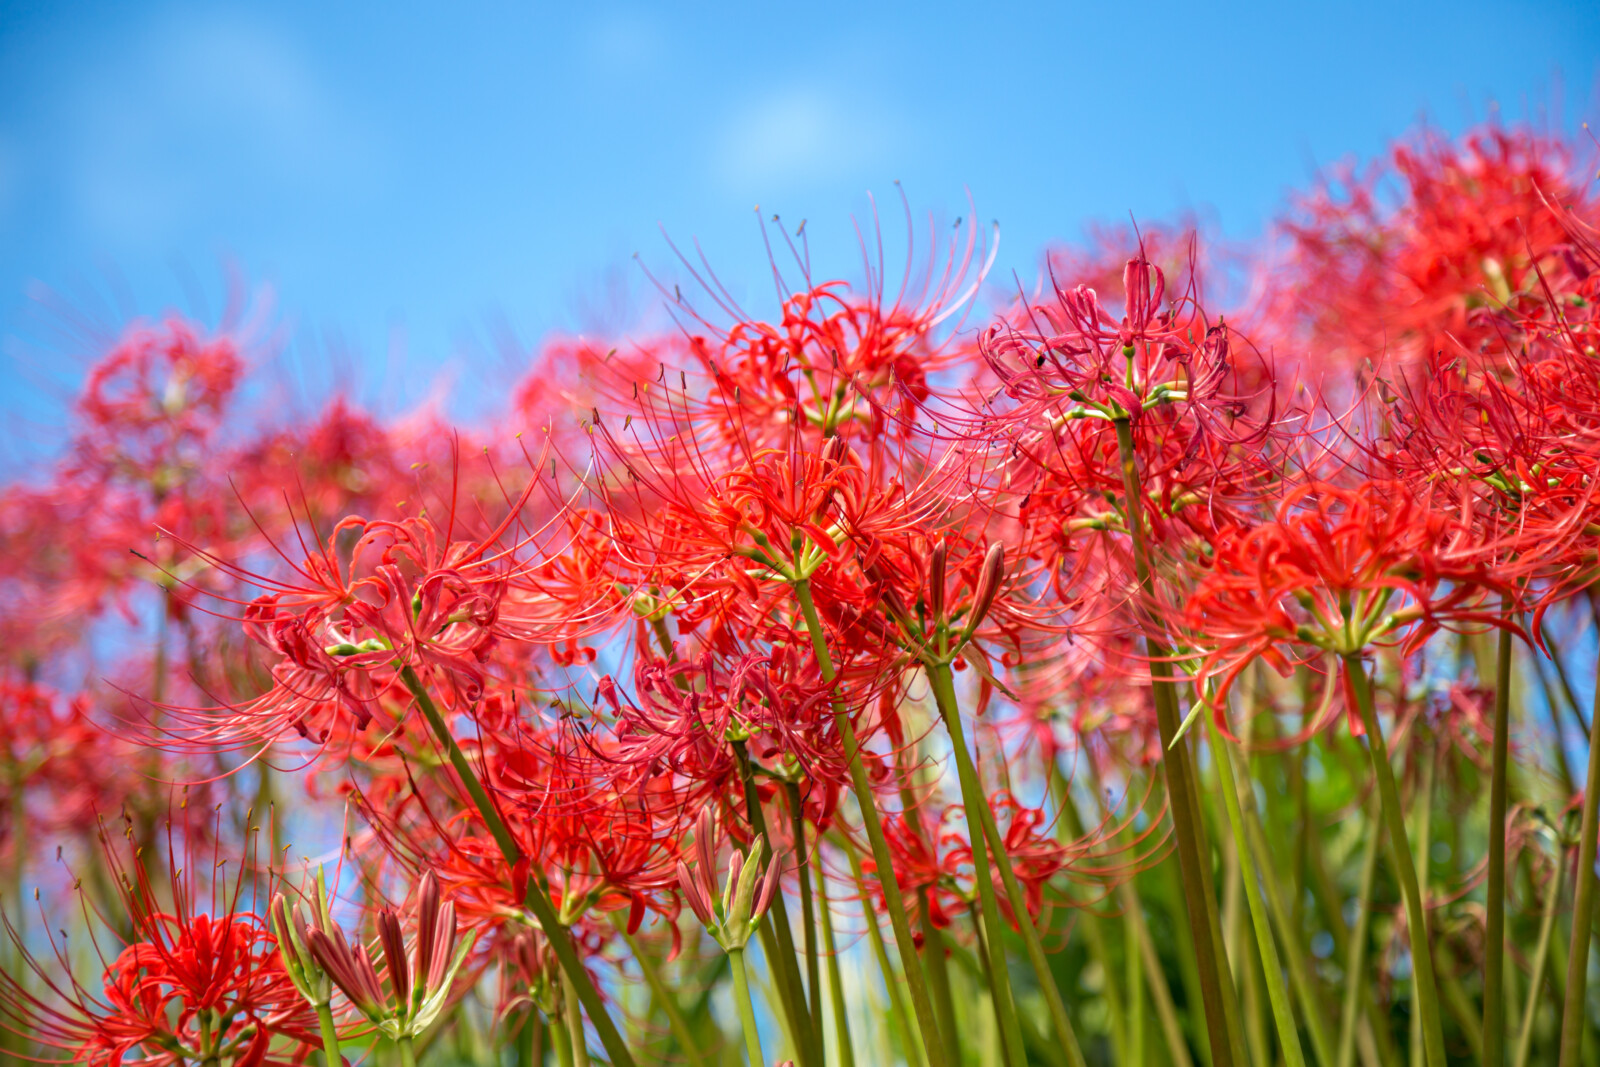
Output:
(1337, 571)
(196, 981)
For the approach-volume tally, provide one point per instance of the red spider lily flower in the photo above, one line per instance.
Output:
(836, 355)
(1338, 570)
(1153, 356)
(153, 403)
(190, 985)
(600, 830)
(1386, 284)
(342, 631)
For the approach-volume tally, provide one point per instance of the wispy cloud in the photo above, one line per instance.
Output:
(805, 136)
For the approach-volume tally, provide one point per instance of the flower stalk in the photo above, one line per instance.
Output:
(1432, 1027)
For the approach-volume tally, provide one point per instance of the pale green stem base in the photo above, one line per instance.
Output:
(330, 1036)
(747, 1011)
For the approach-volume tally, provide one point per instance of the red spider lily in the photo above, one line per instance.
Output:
(601, 836)
(1075, 351)
(152, 405)
(1338, 570)
(189, 985)
(59, 767)
(342, 631)
(836, 355)
(1392, 283)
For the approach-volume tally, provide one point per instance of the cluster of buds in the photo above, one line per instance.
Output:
(733, 917)
(317, 954)
(294, 943)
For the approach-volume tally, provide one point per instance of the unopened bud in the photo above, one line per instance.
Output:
(994, 569)
(936, 568)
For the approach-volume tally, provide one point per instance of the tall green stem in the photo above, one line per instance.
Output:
(1140, 943)
(777, 937)
(1400, 852)
(891, 981)
(561, 1040)
(1423, 825)
(1494, 1001)
(1192, 863)
(538, 901)
(976, 803)
(841, 1017)
(408, 1054)
(1155, 978)
(1300, 976)
(1574, 1015)
(1356, 952)
(916, 982)
(1541, 957)
(1277, 991)
(934, 951)
(808, 923)
(1135, 981)
(747, 1011)
(580, 1043)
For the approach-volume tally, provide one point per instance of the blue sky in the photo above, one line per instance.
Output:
(406, 177)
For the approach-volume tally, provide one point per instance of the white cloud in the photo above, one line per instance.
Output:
(804, 136)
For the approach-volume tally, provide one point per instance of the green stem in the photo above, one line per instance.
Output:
(1011, 1047)
(665, 997)
(777, 937)
(747, 1011)
(1134, 1041)
(538, 901)
(977, 808)
(841, 1017)
(1155, 978)
(1423, 802)
(1192, 861)
(580, 1043)
(808, 925)
(530, 1043)
(935, 952)
(1541, 956)
(1300, 977)
(1574, 1016)
(1140, 943)
(1400, 851)
(330, 1036)
(891, 981)
(1277, 991)
(1494, 1001)
(408, 1055)
(561, 1040)
(1356, 952)
(916, 982)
